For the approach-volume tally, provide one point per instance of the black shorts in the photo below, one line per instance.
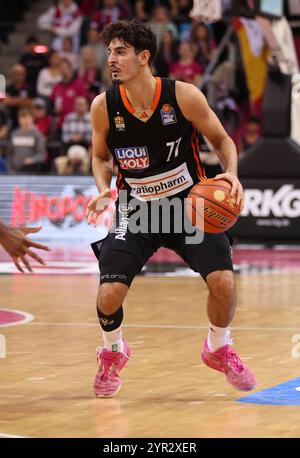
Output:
(122, 254)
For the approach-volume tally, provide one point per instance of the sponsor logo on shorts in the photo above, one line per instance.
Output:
(168, 115)
(125, 209)
(113, 277)
(121, 230)
(133, 157)
(162, 185)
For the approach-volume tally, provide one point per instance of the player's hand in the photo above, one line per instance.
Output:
(97, 205)
(237, 192)
(18, 246)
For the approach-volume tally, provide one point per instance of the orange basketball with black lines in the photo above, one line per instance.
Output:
(210, 207)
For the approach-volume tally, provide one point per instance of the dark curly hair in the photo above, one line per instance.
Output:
(135, 33)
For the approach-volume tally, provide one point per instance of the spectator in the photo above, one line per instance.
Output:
(67, 52)
(167, 55)
(77, 127)
(181, 17)
(18, 93)
(88, 7)
(28, 146)
(3, 166)
(109, 12)
(204, 43)
(221, 83)
(41, 120)
(65, 92)
(100, 49)
(4, 128)
(160, 22)
(140, 11)
(64, 20)
(50, 76)
(126, 9)
(226, 108)
(89, 73)
(186, 68)
(76, 162)
(33, 62)
(169, 4)
(251, 135)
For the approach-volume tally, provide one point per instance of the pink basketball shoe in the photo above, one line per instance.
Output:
(107, 381)
(226, 360)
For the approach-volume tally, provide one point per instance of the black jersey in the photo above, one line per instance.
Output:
(157, 158)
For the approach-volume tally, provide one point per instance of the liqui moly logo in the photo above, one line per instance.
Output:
(134, 157)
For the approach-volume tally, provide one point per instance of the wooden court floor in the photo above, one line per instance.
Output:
(46, 378)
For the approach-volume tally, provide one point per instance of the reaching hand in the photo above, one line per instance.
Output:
(97, 205)
(17, 245)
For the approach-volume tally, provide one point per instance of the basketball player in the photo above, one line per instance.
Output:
(14, 240)
(149, 126)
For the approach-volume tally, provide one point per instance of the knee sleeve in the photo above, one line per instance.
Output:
(110, 322)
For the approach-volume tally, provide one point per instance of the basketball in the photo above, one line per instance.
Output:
(216, 211)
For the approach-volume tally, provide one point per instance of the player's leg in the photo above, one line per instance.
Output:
(212, 259)
(119, 262)
(110, 298)
(221, 305)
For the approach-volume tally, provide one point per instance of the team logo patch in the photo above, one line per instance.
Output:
(120, 123)
(168, 115)
(133, 157)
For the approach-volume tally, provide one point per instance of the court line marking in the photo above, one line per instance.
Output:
(162, 326)
(27, 317)
(12, 436)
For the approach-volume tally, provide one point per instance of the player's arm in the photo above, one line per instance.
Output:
(14, 240)
(195, 108)
(102, 161)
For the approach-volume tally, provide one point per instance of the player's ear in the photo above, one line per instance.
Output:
(144, 57)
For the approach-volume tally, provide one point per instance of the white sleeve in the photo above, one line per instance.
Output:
(41, 82)
(70, 31)
(45, 21)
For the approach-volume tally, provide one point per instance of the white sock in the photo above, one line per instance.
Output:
(217, 337)
(113, 340)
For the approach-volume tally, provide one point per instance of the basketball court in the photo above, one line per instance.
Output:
(50, 363)
(49, 328)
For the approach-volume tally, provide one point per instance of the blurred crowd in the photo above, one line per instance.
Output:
(45, 121)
